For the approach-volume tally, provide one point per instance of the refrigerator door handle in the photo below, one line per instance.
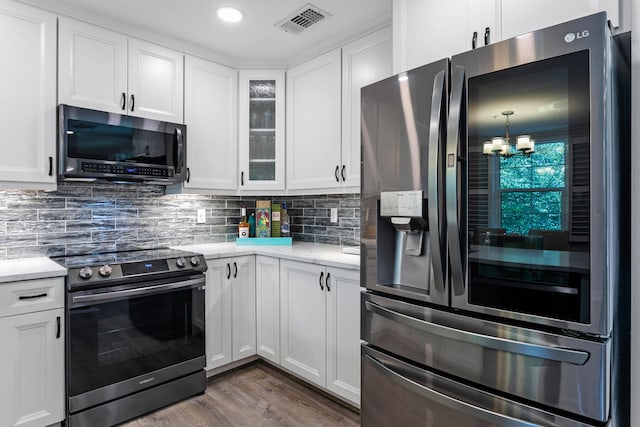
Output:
(446, 400)
(453, 139)
(437, 102)
(558, 354)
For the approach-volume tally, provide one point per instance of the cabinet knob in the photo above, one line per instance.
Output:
(487, 34)
(474, 40)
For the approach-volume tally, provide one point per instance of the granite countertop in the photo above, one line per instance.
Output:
(14, 270)
(329, 255)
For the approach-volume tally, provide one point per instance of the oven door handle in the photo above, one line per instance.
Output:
(126, 293)
(558, 354)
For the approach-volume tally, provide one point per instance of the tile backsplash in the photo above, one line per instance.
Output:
(89, 217)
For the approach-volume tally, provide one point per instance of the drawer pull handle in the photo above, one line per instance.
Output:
(27, 297)
(58, 328)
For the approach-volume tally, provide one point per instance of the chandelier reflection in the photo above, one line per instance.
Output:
(502, 146)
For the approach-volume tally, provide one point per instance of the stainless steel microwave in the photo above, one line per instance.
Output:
(109, 146)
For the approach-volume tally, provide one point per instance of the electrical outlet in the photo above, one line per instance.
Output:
(334, 214)
(201, 217)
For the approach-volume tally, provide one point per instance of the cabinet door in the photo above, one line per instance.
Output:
(303, 320)
(32, 369)
(427, 31)
(243, 307)
(343, 333)
(212, 122)
(313, 123)
(92, 67)
(155, 82)
(520, 17)
(28, 88)
(261, 130)
(218, 313)
(364, 61)
(268, 307)
(424, 31)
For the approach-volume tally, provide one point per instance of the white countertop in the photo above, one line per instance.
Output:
(329, 255)
(13, 270)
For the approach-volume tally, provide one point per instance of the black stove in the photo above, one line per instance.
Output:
(135, 327)
(90, 271)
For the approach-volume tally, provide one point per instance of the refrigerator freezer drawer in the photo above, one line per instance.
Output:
(554, 370)
(396, 393)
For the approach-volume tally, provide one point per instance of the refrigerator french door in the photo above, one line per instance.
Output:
(492, 221)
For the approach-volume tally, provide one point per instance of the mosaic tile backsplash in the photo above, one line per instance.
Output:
(82, 218)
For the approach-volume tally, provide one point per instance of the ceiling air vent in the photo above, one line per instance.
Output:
(302, 19)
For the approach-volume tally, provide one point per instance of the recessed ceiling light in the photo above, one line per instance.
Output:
(229, 14)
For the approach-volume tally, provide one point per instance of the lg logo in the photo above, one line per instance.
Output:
(572, 36)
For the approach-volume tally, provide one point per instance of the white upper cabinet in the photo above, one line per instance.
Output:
(261, 127)
(323, 113)
(210, 114)
(425, 31)
(313, 123)
(28, 88)
(364, 61)
(92, 67)
(155, 82)
(520, 17)
(107, 71)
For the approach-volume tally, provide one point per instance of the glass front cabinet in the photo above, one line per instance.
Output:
(261, 130)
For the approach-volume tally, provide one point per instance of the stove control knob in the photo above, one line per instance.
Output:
(195, 261)
(105, 270)
(85, 273)
(180, 262)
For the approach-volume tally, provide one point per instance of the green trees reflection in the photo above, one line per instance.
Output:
(532, 189)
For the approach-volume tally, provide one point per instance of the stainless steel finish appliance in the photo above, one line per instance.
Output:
(135, 333)
(494, 234)
(99, 145)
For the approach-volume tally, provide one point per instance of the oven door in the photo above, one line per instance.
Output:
(531, 194)
(127, 338)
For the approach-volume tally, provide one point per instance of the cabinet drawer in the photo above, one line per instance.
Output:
(31, 295)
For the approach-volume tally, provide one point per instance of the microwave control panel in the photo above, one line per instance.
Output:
(117, 169)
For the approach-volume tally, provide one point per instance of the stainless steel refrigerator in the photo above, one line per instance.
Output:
(494, 235)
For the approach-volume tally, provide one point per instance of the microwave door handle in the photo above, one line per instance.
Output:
(433, 199)
(453, 141)
(179, 139)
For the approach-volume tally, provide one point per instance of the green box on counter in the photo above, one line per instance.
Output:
(263, 218)
(264, 241)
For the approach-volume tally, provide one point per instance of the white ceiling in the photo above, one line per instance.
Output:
(255, 40)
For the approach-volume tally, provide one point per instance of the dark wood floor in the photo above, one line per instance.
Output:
(256, 395)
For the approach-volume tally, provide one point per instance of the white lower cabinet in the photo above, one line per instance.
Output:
(230, 310)
(320, 326)
(32, 358)
(268, 307)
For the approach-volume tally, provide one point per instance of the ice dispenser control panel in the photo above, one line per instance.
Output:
(401, 204)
